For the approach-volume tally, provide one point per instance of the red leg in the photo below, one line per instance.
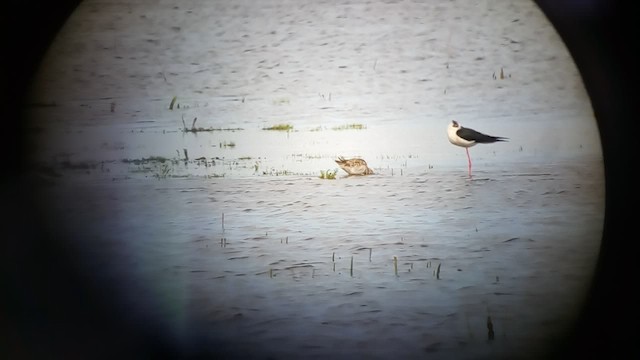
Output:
(469, 158)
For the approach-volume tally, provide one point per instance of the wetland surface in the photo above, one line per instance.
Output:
(228, 240)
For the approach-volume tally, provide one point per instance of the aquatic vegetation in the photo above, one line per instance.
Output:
(162, 171)
(395, 265)
(150, 159)
(327, 97)
(212, 176)
(351, 268)
(274, 172)
(301, 156)
(194, 129)
(160, 166)
(490, 333)
(353, 126)
(328, 174)
(81, 165)
(280, 127)
(281, 101)
(210, 129)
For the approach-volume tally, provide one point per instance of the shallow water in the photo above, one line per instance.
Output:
(517, 245)
(228, 238)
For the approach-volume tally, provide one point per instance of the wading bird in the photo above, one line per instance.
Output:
(354, 166)
(467, 138)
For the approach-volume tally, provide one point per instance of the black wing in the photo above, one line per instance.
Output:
(472, 135)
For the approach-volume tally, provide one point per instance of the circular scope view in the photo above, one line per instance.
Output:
(327, 179)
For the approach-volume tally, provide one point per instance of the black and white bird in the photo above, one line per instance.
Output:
(466, 138)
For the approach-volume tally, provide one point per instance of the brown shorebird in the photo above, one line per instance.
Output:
(354, 166)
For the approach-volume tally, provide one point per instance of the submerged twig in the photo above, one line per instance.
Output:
(351, 269)
(395, 265)
(490, 332)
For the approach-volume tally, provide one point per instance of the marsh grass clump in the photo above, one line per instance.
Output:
(209, 129)
(328, 174)
(151, 159)
(281, 101)
(162, 171)
(279, 127)
(351, 267)
(83, 165)
(395, 265)
(194, 129)
(490, 333)
(352, 126)
(274, 172)
(160, 166)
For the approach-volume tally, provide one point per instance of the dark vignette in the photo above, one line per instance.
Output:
(48, 309)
